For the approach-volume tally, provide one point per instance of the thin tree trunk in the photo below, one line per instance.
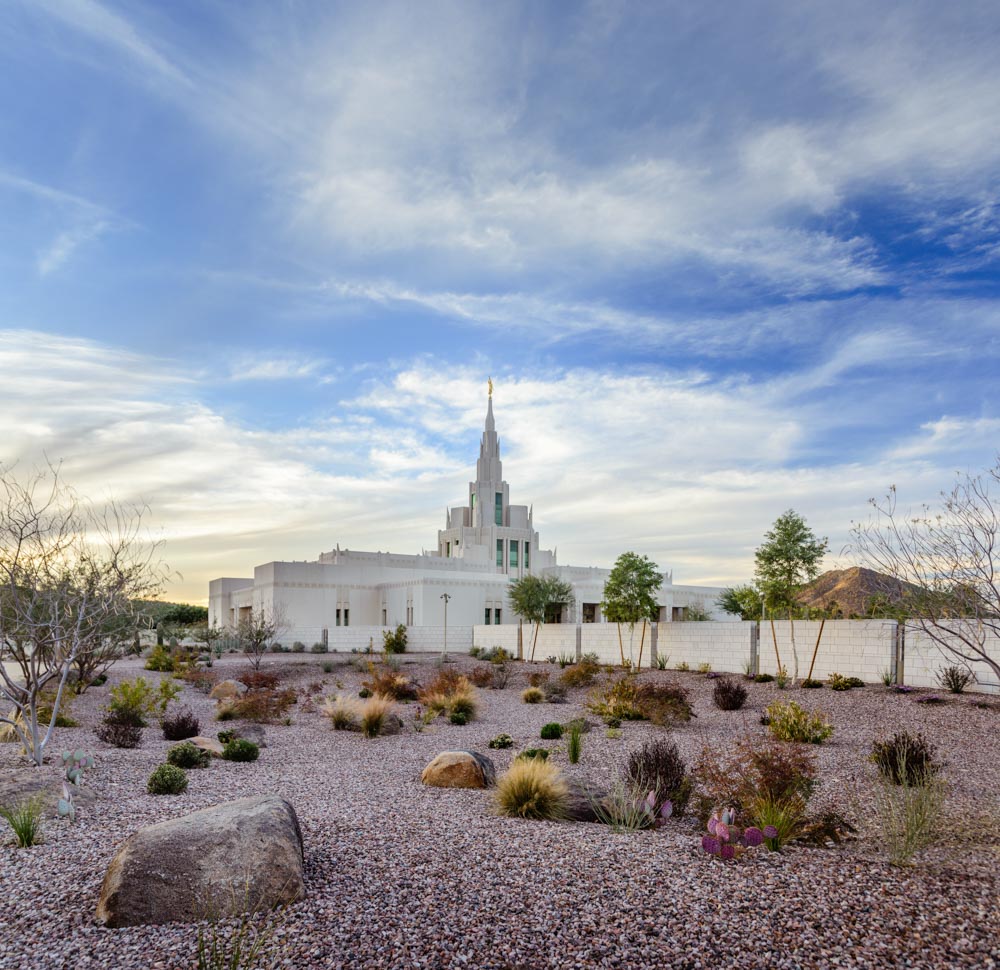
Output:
(621, 646)
(642, 641)
(795, 652)
(819, 636)
(774, 637)
(534, 642)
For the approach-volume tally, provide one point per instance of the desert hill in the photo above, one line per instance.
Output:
(855, 591)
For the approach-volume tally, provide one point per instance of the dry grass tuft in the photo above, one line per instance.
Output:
(342, 713)
(374, 713)
(532, 788)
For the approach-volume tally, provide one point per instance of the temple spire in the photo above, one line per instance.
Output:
(489, 468)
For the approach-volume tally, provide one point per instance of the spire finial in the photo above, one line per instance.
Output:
(489, 386)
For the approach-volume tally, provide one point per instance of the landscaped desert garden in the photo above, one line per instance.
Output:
(401, 874)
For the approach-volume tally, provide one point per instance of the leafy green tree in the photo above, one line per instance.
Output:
(537, 599)
(742, 601)
(630, 595)
(789, 558)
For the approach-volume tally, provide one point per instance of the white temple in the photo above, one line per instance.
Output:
(485, 544)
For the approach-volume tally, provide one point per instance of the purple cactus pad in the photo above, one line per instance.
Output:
(753, 837)
(770, 832)
(710, 844)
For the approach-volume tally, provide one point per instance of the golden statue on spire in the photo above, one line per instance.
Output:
(489, 385)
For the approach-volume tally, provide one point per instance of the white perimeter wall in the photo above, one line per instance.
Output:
(419, 639)
(853, 648)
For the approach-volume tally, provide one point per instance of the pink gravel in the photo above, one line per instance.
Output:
(400, 875)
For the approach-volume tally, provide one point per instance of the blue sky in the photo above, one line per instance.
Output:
(258, 260)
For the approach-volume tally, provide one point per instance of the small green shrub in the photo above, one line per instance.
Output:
(186, 755)
(839, 682)
(763, 679)
(529, 753)
(532, 789)
(532, 695)
(789, 722)
(138, 699)
(502, 741)
(167, 780)
(781, 678)
(705, 668)
(394, 641)
(811, 684)
(364, 693)
(684, 667)
(161, 660)
(226, 736)
(458, 717)
(328, 668)
(551, 731)
(240, 749)
(25, 819)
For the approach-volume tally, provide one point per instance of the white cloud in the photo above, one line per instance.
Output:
(66, 244)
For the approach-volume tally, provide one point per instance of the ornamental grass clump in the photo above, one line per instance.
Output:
(729, 694)
(789, 722)
(450, 693)
(25, 819)
(532, 695)
(574, 746)
(626, 808)
(907, 815)
(341, 712)
(390, 683)
(904, 759)
(374, 714)
(532, 789)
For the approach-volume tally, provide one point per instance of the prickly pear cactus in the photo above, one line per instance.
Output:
(74, 765)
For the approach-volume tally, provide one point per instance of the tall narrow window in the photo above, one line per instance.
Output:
(500, 552)
(487, 616)
(338, 617)
(385, 619)
(513, 553)
(527, 554)
(498, 509)
(347, 617)
(496, 616)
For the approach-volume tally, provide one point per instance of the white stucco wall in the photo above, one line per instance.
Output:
(923, 659)
(853, 648)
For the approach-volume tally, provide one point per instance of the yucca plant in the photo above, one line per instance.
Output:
(532, 788)
(25, 818)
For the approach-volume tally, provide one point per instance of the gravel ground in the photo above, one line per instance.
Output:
(400, 875)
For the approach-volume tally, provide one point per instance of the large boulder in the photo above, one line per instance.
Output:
(43, 783)
(460, 769)
(227, 689)
(252, 732)
(230, 858)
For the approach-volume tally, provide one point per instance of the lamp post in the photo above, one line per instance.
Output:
(444, 653)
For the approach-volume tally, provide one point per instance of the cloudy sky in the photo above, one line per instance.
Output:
(257, 261)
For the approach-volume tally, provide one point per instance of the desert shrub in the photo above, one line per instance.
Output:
(542, 753)
(138, 699)
(532, 695)
(659, 768)
(186, 755)
(458, 717)
(555, 692)
(743, 774)
(25, 819)
(502, 741)
(763, 679)
(161, 660)
(276, 648)
(226, 736)
(475, 652)
(839, 682)
(789, 722)
(394, 641)
(728, 694)
(448, 693)
(904, 759)
(538, 677)
(501, 674)
(532, 788)
(551, 731)
(120, 729)
(627, 807)
(179, 725)
(811, 684)
(374, 713)
(341, 712)
(495, 655)
(627, 699)
(240, 749)
(319, 647)
(955, 679)
(258, 679)
(582, 674)
(364, 693)
(704, 668)
(260, 706)
(481, 676)
(199, 678)
(907, 816)
(167, 780)
(327, 668)
(384, 680)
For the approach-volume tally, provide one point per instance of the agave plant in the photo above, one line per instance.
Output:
(726, 841)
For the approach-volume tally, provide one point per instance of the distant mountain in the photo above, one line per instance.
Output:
(855, 592)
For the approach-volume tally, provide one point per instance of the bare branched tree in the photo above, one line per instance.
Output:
(943, 566)
(68, 574)
(257, 631)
